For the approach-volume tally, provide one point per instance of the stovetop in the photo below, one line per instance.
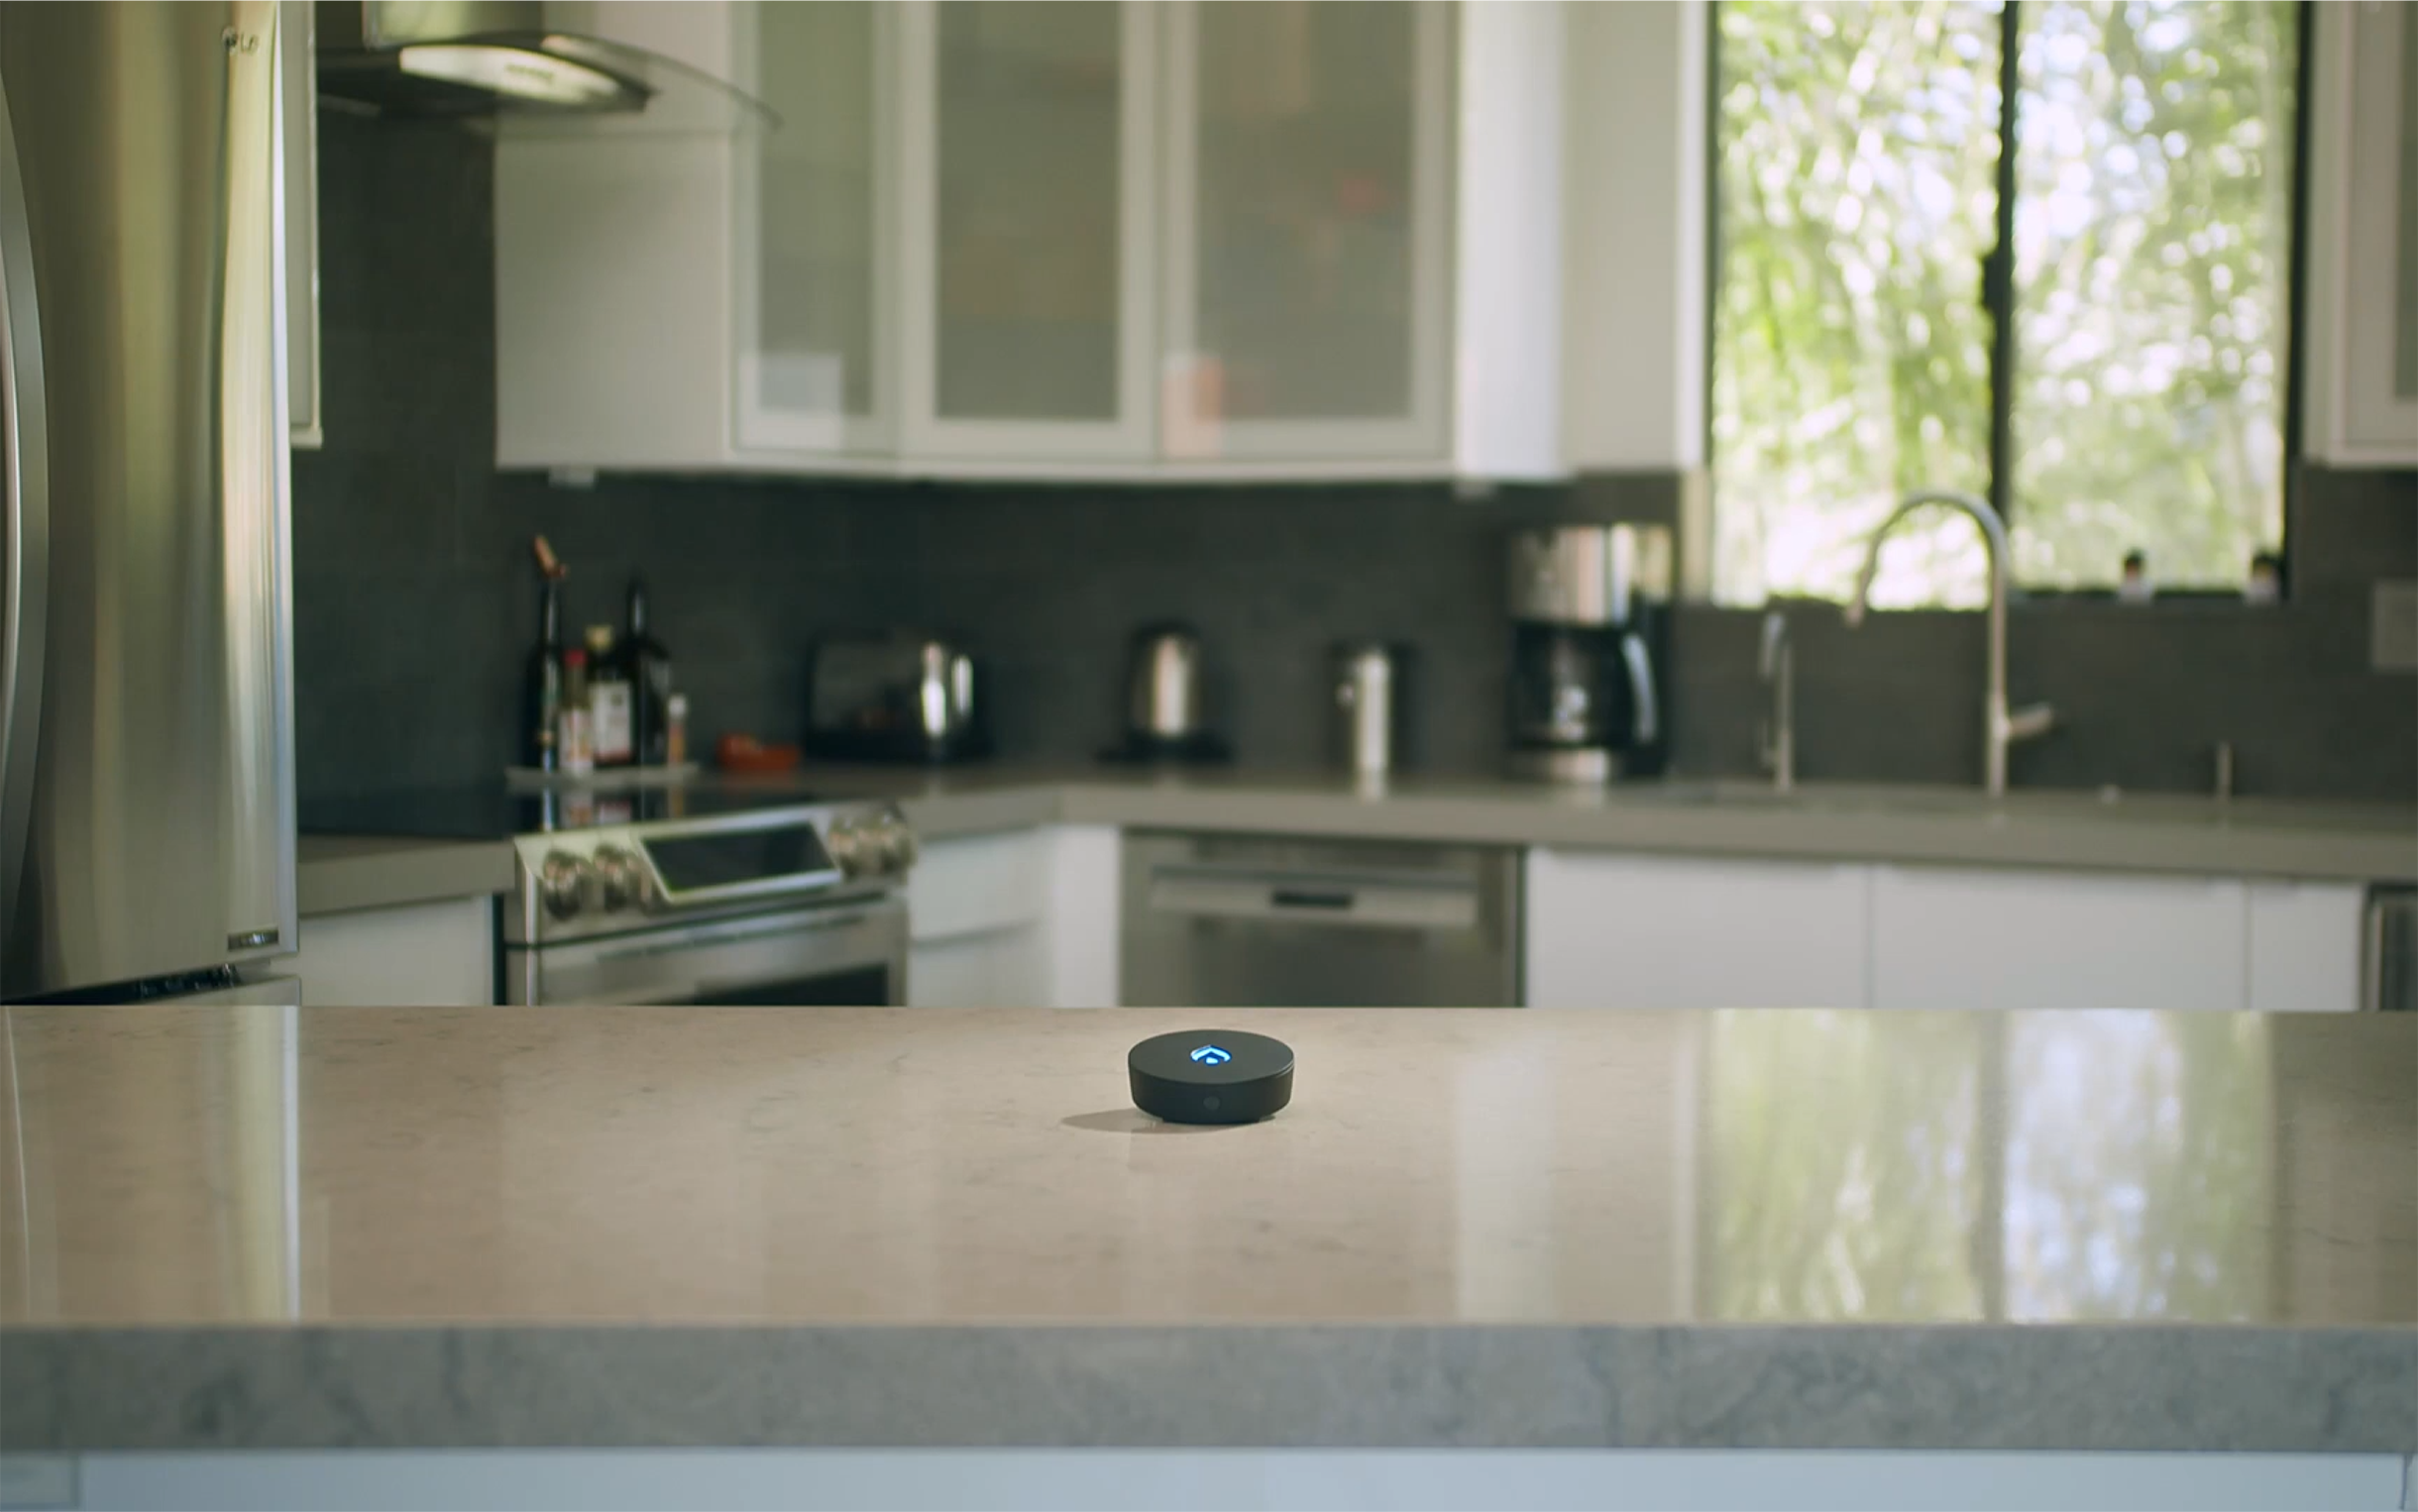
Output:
(491, 812)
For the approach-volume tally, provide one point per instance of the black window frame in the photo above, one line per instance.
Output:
(1997, 294)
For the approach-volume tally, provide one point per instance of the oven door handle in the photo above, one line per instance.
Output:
(731, 931)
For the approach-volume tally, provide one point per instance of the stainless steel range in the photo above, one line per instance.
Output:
(796, 903)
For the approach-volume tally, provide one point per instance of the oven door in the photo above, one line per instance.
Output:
(851, 954)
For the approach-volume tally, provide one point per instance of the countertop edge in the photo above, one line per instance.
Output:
(950, 815)
(1843, 838)
(2061, 1387)
(345, 874)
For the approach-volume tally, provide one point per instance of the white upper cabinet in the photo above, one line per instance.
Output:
(817, 343)
(1308, 230)
(1051, 238)
(1029, 228)
(2362, 239)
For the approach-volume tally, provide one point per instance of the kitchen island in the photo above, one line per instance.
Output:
(227, 1229)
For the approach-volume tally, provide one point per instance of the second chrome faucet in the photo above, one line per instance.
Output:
(2001, 726)
(1777, 662)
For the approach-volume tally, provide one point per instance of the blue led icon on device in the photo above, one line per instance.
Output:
(1211, 1055)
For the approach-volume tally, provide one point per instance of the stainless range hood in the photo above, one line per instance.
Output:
(474, 59)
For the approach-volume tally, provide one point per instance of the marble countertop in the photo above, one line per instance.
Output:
(2141, 832)
(296, 1228)
(1845, 821)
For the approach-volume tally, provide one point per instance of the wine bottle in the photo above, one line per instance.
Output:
(575, 733)
(648, 668)
(608, 699)
(541, 709)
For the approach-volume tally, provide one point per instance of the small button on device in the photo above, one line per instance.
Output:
(1211, 1076)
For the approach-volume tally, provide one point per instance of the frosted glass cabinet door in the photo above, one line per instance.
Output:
(1308, 230)
(2362, 242)
(816, 349)
(1029, 232)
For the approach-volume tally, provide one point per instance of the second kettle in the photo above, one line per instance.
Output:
(1164, 699)
(1166, 717)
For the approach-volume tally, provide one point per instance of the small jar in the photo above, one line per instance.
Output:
(1366, 707)
(676, 729)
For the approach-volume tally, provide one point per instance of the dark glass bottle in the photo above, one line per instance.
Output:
(542, 698)
(648, 666)
(609, 701)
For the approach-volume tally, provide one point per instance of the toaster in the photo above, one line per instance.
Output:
(895, 696)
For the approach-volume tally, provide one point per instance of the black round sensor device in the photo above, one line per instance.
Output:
(1211, 1076)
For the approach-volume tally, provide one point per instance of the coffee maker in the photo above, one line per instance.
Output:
(1591, 648)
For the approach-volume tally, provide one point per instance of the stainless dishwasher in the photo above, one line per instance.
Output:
(1217, 921)
(2388, 950)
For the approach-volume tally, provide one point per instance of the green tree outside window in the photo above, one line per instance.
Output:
(1857, 155)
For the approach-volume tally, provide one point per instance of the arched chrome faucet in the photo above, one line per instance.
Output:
(2001, 727)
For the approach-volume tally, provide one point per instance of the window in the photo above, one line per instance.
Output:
(2133, 397)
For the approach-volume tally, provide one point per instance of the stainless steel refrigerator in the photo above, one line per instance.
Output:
(147, 793)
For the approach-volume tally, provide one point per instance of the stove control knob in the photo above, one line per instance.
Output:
(621, 880)
(562, 881)
(898, 843)
(846, 845)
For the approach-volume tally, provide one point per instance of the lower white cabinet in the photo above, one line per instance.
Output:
(2303, 946)
(2003, 938)
(1610, 930)
(1084, 916)
(1605, 929)
(438, 954)
(1020, 918)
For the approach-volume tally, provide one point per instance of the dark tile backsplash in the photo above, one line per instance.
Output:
(415, 596)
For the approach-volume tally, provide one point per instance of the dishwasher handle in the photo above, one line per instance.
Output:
(1421, 901)
(1311, 898)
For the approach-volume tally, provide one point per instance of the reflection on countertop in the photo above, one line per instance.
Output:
(640, 1164)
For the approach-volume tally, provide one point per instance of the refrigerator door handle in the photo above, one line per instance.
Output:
(25, 572)
(254, 484)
